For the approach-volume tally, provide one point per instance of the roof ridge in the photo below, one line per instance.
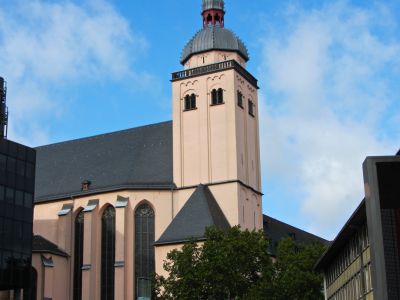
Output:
(49, 248)
(294, 227)
(102, 134)
(48, 241)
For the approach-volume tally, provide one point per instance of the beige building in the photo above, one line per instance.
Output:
(109, 208)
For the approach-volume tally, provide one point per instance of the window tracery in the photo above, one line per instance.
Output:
(144, 250)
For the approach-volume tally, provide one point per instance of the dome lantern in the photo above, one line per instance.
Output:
(214, 36)
(213, 13)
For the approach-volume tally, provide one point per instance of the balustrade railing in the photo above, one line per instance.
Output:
(225, 65)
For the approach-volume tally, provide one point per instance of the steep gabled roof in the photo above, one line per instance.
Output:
(42, 245)
(200, 211)
(134, 158)
(276, 230)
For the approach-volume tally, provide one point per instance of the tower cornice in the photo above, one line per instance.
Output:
(213, 68)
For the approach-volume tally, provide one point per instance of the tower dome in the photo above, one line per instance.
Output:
(214, 36)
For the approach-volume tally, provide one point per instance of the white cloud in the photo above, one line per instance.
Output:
(45, 46)
(329, 94)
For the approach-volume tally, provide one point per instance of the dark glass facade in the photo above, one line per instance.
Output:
(17, 181)
(107, 253)
(144, 250)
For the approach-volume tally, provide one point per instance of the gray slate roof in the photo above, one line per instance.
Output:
(214, 38)
(42, 245)
(276, 230)
(200, 211)
(134, 158)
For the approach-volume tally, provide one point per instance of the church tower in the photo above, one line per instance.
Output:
(215, 120)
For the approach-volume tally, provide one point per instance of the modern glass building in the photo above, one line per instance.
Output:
(363, 262)
(17, 180)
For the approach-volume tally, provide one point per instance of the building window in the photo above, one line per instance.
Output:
(190, 102)
(240, 99)
(78, 255)
(107, 253)
(217, 96)
(144, 250)
(251, 108)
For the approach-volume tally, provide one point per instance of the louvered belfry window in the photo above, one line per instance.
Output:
(240, 99)
(78, 255)
(144, 250)
(217, 96)
(107, 253)
(190, 102)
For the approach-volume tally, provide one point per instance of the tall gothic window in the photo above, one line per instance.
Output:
(144, 250)
(107, 253)
(217, 96)
(78, 256)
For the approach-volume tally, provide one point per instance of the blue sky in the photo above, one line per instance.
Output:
(328, 72)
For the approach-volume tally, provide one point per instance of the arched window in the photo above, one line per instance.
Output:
(217, 96)
(240, 99)
(217, 19)
(190, 102)
(78, 256)
(144, 250)
(107, 253)
(251, 107)
(209, 19)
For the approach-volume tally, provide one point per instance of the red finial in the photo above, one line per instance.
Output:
(213, 13)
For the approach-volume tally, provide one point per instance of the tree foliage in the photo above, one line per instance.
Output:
(294, 277)
(236, 265)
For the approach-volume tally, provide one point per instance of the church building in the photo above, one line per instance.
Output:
(109, 208)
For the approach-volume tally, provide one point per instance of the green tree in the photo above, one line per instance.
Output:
(226, 266)
(294, 277)
(236, 265)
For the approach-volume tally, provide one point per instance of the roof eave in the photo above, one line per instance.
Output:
(341, 238)
(178, 241)
(57, 197)
(61, 253)
(185, 59)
